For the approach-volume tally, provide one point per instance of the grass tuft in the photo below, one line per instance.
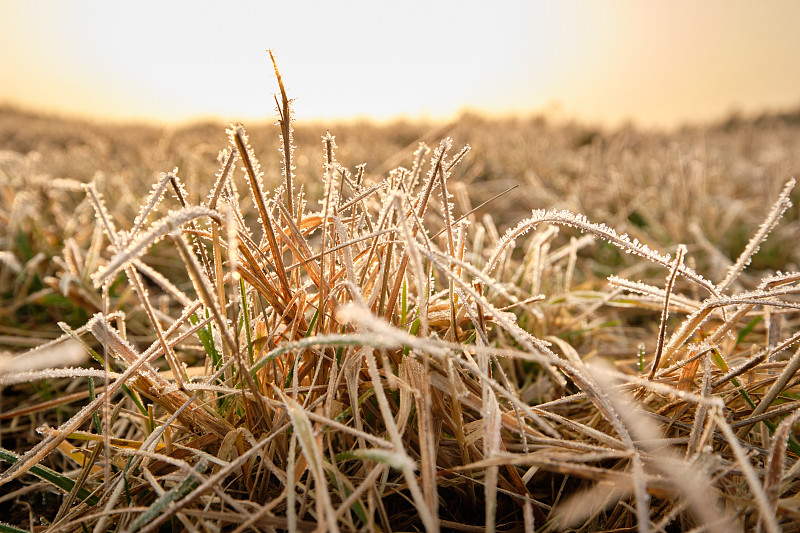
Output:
(393, 360)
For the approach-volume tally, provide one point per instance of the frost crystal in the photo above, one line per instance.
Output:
(158, 230)
(53, 373)
(778, 209)
(566, 218)
(416, 171)
(251, 167)
(222, 181)
(101, 211)
(156, 193)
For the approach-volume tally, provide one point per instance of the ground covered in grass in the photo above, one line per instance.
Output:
(499, 324)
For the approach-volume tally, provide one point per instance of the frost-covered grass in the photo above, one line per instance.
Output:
(404, 345)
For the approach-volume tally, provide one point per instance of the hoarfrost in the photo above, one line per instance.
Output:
(150, 203)
(67, 353)
(158, 230)
(12, 378)
(566, 218)
(778, 209)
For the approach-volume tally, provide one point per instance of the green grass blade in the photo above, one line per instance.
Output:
(7, 528)
(62, 482)
(172, 495)
(747, 329)
(207, 339)
(95, 416)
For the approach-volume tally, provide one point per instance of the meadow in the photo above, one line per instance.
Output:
(491, 324)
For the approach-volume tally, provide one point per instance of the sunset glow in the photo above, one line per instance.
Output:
(659, 63)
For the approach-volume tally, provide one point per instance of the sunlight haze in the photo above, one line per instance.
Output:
(655, 63)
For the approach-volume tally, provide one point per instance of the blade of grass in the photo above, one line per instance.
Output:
(57, 480)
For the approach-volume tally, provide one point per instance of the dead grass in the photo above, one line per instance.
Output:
(373, 349)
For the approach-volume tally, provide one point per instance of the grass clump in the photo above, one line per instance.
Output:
(388, 360)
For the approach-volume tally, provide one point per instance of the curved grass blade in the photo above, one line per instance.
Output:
(62, 482)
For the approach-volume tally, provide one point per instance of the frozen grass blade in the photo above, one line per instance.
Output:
(428, 516)
(58, 480)
(756, 489)
(313, 454)
(150, 203)
(285, 121)
(773, 478)
(777, 387)
(158, 508)
(157, 232)
(662, 332)
(491, 445)
(600, 230)
(254, 178)
(778, 209)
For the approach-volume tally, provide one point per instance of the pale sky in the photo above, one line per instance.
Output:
(654, 62)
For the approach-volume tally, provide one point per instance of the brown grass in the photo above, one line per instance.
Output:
(299, 343)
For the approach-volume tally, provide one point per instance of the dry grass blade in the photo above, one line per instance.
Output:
(285, 121)
(778, 209)
(662, 332)
(157, 231)
(602, 231)
(757, 490)
(258, 197)
(775, 465)
(313, 455)
(427, 513)
(777, 387)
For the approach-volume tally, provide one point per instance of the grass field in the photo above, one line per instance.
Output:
(515, 326)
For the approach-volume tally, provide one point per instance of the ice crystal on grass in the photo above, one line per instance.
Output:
(228, 160)
(362, 194)
(662, 333)
(423, 197)
(416, 170)
(602, 231)
(678, 302)
(12, 378)
(285, 119)
(778, 209)
(150, 203)
(158, 230)
(101, 211)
